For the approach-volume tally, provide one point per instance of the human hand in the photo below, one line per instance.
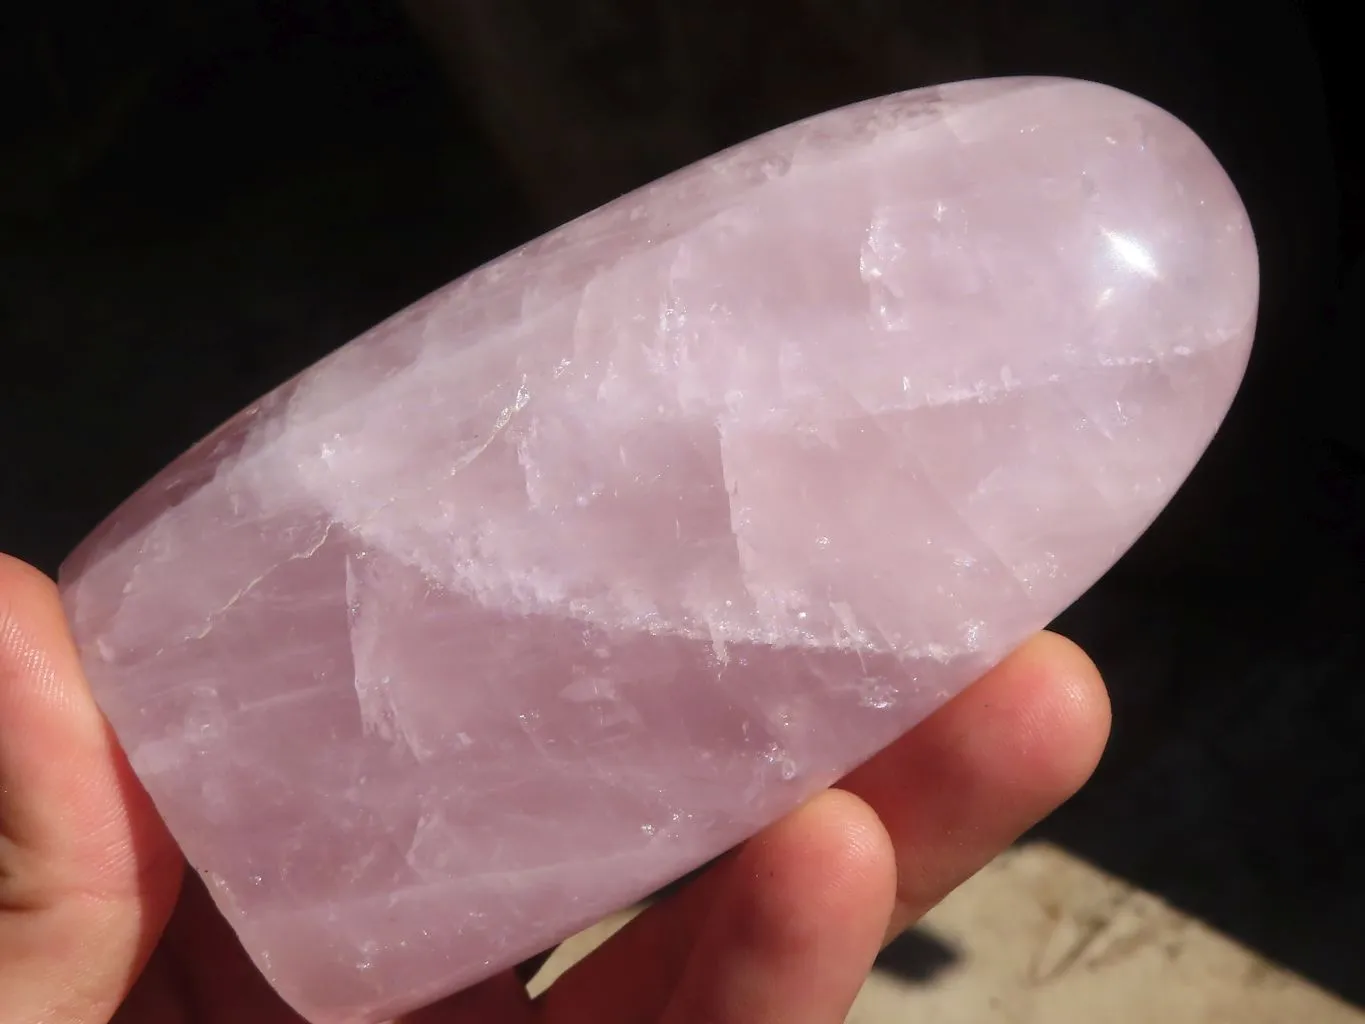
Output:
(95, 925)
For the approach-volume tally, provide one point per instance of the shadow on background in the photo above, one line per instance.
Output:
(195, 204)
(918, 957)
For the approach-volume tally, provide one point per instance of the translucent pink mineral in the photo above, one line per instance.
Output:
(589, 565)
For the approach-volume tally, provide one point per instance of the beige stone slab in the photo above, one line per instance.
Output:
(1041, 937)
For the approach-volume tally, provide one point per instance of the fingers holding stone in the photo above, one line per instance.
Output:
(783, 928)
(87, 873)
(630, 977)
(952, 794)
(985, 768)
(797, 924)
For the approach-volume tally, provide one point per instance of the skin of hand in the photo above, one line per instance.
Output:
(96, 925)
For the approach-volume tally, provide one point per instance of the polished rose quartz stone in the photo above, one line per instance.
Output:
(589, 565)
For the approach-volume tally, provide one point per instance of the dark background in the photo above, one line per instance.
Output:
(198, 200)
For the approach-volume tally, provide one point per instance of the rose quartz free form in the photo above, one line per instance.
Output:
(584, 568)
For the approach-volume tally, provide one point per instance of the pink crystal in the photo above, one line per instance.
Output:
(586, 567)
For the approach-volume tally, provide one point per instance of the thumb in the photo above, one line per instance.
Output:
(88, 875)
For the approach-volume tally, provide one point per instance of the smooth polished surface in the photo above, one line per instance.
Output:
(586, 567)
